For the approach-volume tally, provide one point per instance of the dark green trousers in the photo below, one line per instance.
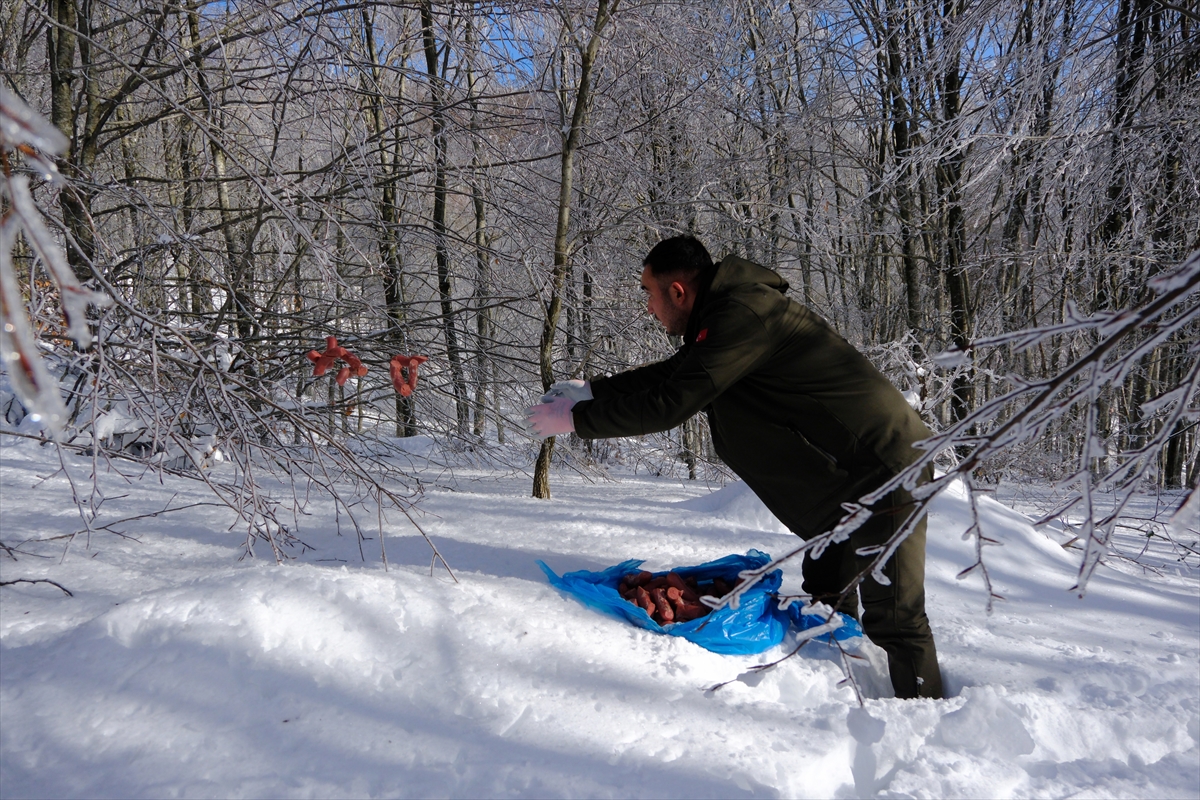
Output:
(893, 616)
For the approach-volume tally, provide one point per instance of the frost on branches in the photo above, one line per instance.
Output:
(23, 131)
(1031, 409)
(180, 398)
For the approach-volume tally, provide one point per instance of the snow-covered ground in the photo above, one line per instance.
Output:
(178, 670)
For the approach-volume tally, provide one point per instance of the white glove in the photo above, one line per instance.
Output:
(550, 418)
(576, 390)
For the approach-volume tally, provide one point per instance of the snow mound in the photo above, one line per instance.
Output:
(177, 670)
(737, 504)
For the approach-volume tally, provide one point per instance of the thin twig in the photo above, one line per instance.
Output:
(38, 580)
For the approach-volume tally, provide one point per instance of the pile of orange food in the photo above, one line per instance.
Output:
(671, 597)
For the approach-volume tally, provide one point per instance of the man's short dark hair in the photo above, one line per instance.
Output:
(680, 255)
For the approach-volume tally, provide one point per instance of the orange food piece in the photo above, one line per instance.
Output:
(643, 600)
(671, 597)
(640, 578)
(403, 370)
(334, 351)
(665, 612)
(690, 589)
(686, 612)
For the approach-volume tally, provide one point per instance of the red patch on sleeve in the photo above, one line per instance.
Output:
(702, 335)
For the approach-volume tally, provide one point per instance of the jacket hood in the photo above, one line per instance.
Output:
(732, 272)
(725, 276)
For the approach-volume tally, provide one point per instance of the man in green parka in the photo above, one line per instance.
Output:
(796, 411)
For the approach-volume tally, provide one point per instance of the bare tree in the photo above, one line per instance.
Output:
(478, 184)
(582, 41)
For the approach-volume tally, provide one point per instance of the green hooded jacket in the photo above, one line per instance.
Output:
(794, 409)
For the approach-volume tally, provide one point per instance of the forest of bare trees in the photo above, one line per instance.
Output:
(478, 183)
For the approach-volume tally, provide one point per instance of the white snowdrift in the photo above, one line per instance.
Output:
(177, 670)
(736, 504)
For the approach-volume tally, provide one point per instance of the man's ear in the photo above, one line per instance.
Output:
(677, 292)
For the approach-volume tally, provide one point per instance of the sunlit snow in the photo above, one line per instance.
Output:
(179, 670)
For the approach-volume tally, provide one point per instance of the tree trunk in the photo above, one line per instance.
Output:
(950, 190)
(61, 43)
(483, 317)
(394, 298)
(441, 246)
(570, 143)
(904, 189)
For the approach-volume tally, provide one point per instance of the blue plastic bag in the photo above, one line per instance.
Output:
(850, 626)
(757, 624)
